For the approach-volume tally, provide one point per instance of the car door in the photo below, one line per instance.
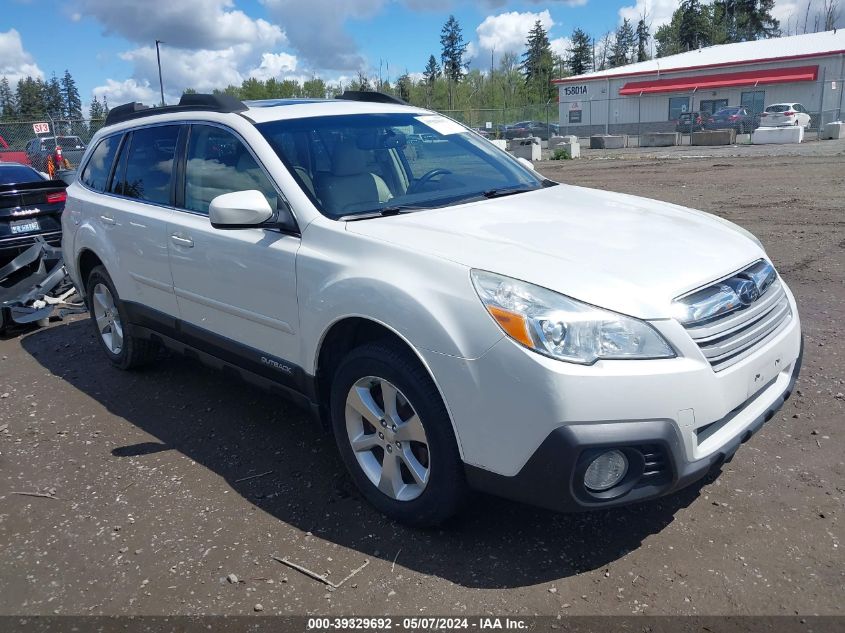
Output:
(133, 216)
(236, 289)
(803, 116)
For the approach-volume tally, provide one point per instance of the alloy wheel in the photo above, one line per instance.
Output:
(107, 318)
(387, 438)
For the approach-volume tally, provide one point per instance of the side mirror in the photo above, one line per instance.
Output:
(239, 210)
(526, 163)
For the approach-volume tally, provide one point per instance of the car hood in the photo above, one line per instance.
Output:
(624, 253)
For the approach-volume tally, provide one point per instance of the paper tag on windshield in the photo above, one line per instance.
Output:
(441, 124)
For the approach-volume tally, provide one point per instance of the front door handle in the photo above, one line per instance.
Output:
(187, 242)
(107, 219)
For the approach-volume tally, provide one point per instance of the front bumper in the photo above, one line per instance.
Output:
(551, 477)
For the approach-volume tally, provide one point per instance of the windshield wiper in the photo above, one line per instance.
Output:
(381, 213)
(499, 193)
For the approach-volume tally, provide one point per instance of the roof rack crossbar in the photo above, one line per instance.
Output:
(202, 102)
(371, 96)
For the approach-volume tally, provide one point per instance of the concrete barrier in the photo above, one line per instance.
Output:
(557, 140)
(832, 131)
(660, 139)
(777, 135)
(500, 143)
(572, 149)
(604, 141)
(527, 148)
(713, 137)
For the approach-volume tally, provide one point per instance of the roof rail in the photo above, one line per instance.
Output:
(371, 96)
(203, 102)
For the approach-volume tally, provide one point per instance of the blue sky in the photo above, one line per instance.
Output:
(108, 45)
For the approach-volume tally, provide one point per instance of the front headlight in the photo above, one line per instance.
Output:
(562, 328)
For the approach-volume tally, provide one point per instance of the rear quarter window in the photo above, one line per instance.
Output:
(97, 170)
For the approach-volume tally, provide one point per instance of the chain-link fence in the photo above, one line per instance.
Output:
(514, 122)
(741, 109)
(31, 141)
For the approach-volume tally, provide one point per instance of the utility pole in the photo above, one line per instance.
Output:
(160, 82)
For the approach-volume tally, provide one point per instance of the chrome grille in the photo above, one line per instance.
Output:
(728, 339)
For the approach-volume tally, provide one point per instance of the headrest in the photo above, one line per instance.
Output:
(349, 160)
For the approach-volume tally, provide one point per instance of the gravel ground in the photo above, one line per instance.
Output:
(151, 508)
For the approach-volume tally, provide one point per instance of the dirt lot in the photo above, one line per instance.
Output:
(154, 506)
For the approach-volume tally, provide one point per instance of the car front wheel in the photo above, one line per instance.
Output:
(395, 436)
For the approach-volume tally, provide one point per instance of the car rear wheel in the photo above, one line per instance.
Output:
(108, 316)
(395, 436)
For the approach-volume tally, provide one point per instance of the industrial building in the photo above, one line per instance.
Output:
(649, 96)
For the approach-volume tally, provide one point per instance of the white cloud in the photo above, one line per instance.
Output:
(561, 45)
(118, 92)
(793, 15)
(507, 32)
(190, 24)
(317, 29)
(658, 12)
(15, 62)
(274, 65)
(568, 3)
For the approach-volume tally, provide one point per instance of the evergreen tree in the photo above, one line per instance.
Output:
(430, 75)
(754, 20)
(53, 102)
(623, 43)
(538, 63)
(8, 106)
(643, 36)
(453, 48)
(403, 85)
(694, 25)
(668, 38)
(580, 53)
(95, 111)
(314, 88)
(30, 98)
(70, 95)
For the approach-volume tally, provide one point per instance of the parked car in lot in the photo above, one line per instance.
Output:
(532, 128)
(457, 321)
(781, 114)
(733, 117)
(38, 149)
(30, 206)
(690, 122)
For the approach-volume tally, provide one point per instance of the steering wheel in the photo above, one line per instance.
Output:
(419, 182)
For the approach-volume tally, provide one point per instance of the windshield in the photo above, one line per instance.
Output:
(369, 163)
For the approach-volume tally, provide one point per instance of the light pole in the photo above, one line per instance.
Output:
(160, 82)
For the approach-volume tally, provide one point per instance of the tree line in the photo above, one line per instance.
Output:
(35, 99)
(447, 83)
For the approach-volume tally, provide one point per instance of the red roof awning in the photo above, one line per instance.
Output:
(725, 80)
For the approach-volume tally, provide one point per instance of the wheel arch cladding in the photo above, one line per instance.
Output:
(349, 333)
(88, 260)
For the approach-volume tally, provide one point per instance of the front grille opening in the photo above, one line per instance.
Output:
(726, 340)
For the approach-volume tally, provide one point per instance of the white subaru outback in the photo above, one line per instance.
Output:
(456, 320)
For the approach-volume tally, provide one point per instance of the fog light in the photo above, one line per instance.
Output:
(606, 470)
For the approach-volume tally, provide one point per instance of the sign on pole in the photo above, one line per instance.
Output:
(41, 128)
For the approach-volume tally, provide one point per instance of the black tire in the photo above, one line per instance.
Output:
(5, 319)
(446, 487)
(135, 352)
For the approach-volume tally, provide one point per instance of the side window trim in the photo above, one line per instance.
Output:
(177, 194)
(124, 146)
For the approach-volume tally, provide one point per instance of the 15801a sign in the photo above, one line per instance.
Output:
(575, 91)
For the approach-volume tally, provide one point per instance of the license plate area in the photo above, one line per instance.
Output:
(24, 226)
(763, 374)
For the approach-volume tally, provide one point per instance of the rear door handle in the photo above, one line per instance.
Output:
(187, 242)
(107, 219)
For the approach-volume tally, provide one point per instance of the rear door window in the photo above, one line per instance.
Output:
(149, 165)
(97, 170)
